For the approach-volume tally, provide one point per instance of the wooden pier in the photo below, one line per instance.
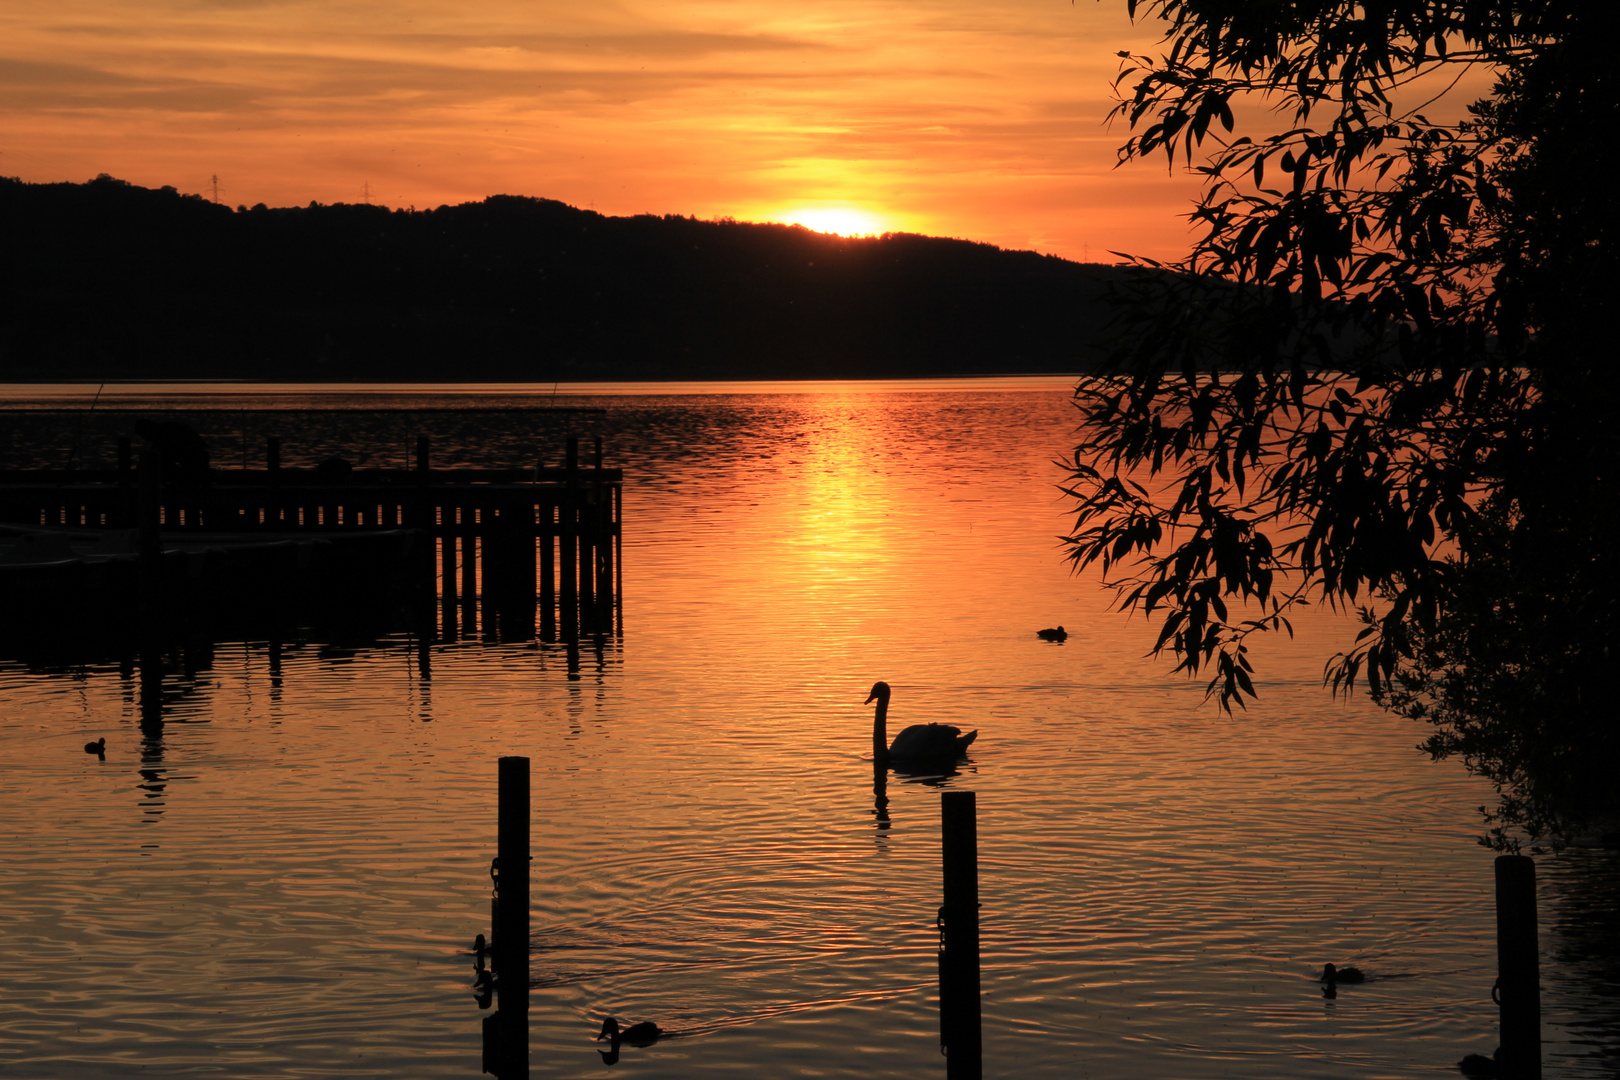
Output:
(497, 540)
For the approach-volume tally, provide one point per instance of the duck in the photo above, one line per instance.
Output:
(916, 741)
(97, 747)
(1331, 975)
(1053, 633)
(1480, 1067)
(640, 1033)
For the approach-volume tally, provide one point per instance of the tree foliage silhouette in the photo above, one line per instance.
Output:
(1383, 379)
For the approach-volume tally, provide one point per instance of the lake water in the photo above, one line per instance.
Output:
(285, 881)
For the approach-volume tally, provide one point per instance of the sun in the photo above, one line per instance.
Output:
(842, 220)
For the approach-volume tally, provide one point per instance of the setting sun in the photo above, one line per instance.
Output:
(842, 220)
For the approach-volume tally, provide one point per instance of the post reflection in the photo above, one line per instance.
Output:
(154, 781)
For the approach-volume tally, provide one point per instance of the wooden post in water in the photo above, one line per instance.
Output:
(548, 571)
(1518, 983)
(512, 935)
(568, 541)
(959, 1030)
(618, 559)
(447, 578)
(148, 514)
(470, 556)
(126, 484)
(601, 545)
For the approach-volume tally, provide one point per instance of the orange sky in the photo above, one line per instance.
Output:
(975, 119)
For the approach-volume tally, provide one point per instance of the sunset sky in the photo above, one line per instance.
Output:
(982, 120)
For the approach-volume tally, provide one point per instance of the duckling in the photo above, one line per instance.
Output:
(1053, 633)
(1331, 974)
(639, 1034)
(1480, 1067)
(99, 747)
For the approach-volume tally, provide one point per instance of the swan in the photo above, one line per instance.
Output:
(97, 747)
(916, 741)
(1053, 633)
(644, 1032)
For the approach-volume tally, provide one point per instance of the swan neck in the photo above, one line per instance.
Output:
(880, 730)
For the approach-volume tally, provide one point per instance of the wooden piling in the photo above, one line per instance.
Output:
(548, 572)
(512, 935)
(959, 1020)
(126, 485)
(568, 542)
(149, 508)
(587, 565)
(1518, 984)
(447, 571)
(604, 561)
(469, 560)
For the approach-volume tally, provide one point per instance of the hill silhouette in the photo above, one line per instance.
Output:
(110, 280)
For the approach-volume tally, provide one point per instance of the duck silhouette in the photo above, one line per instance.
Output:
(639, 1034)
(1333, 976)
(1480, 1067)
(1053, 633)
(919, 741)
(99, 747)
(643, 1034)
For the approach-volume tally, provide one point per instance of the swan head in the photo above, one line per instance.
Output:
(880, 692)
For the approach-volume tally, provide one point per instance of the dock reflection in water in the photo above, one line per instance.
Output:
(1162, 885)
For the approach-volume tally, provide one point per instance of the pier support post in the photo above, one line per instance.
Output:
(959, 1023)
(548, 572)
(148, 513)
(1518, 984)
(447, 579)
(568, 542)
(512, 933)
(126, 484)
(467, 515)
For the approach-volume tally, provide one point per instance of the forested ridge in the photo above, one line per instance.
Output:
(107, 279)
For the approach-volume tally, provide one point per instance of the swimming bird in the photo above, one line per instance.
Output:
(640, 1034)
(1331, 975)
(1053, 633)
(97, 747)
(1480, 1067)
(916, 741)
